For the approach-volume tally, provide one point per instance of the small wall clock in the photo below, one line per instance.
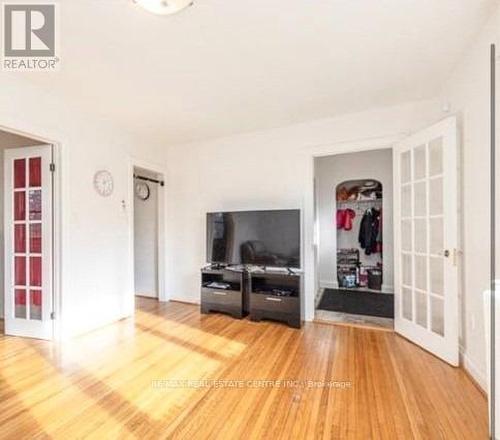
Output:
(142, 190)
(103, 183)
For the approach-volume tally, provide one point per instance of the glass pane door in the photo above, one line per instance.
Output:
(27, 228)
(28, 241)
(426, 224)
(422, 238)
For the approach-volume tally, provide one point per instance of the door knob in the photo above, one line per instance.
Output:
(446, 253)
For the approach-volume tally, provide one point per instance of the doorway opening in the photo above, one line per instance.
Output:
(148, 226)
(27, 270)
(355, 247)
(426, 258)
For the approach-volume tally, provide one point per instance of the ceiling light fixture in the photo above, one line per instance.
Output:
(164, 7)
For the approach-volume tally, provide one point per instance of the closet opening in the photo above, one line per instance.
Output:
(359, 235)
(355, 230)
(148, 192)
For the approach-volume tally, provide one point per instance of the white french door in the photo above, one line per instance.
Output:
(28, 241)
(426, 239)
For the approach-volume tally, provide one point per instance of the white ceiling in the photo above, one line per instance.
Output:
(229, 66)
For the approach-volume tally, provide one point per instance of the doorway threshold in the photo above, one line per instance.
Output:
(373, 322)
(368, 290)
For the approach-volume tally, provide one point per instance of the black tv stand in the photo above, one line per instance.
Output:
(276, 296)
(224, 290)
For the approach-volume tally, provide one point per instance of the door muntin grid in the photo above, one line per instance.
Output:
(27, 258)
(423, 235)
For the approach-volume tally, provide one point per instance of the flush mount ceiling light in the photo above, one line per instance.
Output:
(164, 7)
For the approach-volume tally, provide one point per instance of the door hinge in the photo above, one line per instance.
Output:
(52, 167)
(52, 315)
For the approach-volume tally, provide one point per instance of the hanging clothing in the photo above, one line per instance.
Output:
(344, 218)
(368, 231)
(379, 235)
(339, 218)
(348, 218)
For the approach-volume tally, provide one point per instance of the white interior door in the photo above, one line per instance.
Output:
(28, 241)
(426, 239)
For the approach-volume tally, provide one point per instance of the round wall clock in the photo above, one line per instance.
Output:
(103, 183)
(142, 190)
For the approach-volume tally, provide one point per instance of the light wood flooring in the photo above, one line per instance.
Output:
(137, 379)
(327, 316)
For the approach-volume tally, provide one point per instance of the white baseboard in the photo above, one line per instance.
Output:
(185, 301)
(387, 288)
(67, 332)
(324, 284)
(473, 370)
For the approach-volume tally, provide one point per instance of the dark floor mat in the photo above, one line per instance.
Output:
(358, 302)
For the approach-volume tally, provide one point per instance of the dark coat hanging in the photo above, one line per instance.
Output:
(368, 231)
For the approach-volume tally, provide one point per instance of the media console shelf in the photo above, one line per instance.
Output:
(263, 295)
(231, 297)
(276, 296)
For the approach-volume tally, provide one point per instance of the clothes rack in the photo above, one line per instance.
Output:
(359, 206)
(148, 179)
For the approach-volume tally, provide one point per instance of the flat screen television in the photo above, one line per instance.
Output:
(262, 238)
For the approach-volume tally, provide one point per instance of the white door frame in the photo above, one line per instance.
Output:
(162, 194)
(310, 226)
(56, 226)
(310, 242)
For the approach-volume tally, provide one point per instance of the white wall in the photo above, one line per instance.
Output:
(146, 240)
(263, 170)
(330, 171)
(96, 272)
(467, 91)
(495, 28)
(7, 140)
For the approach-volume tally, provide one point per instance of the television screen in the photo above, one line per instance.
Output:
(263, 238)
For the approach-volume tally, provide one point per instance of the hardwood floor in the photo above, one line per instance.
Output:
(112, 383)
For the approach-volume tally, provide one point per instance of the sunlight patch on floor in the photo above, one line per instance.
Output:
(48, 386)
(101, 376)
(219, 344)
